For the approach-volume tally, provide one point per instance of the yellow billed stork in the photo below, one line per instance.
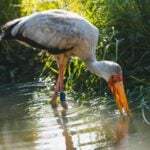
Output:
(65, 34)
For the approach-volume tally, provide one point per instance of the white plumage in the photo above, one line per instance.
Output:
(59, 29)
(63, 34)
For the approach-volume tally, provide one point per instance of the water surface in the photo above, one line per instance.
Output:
(27, 122)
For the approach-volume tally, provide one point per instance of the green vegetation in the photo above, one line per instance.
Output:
(17, 63)
(124, 38)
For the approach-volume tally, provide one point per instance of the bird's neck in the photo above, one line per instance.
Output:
(103, 68)
(96, 67)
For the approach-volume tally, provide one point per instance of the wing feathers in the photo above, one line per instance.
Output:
(55, 30)
(7, 28)
(48, 30)
(51, 50)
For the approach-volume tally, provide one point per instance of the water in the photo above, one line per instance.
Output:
(27, 122)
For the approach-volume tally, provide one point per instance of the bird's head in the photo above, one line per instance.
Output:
(112, 73)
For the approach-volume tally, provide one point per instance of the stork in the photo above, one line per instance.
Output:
(65, 34)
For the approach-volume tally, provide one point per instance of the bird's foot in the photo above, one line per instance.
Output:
(64, 105)
(54, 101)
(54, 104)
(63, 100)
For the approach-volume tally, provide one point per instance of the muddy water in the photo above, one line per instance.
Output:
(27, 122)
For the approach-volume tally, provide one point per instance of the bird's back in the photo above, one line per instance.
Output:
(53, 30)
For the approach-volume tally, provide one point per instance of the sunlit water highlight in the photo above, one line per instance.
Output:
(27, 122)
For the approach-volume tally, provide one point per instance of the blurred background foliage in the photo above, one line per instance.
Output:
(124, 27)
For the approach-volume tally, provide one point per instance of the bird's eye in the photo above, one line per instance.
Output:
(116, 78)
(113, 77)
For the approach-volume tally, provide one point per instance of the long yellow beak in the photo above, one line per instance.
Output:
(117, 88)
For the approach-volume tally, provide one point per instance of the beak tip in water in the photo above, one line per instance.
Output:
(117, 89)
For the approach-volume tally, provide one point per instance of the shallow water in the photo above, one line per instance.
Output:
(27, 122)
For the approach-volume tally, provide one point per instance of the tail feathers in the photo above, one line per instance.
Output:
(1, 36)
(7, 28)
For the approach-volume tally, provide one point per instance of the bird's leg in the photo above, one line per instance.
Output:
(53, 101)
(61, 86)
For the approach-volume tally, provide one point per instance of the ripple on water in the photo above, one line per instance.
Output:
(27, 121)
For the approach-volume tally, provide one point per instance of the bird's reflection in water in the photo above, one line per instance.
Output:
(62, 120)
(122, 132)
